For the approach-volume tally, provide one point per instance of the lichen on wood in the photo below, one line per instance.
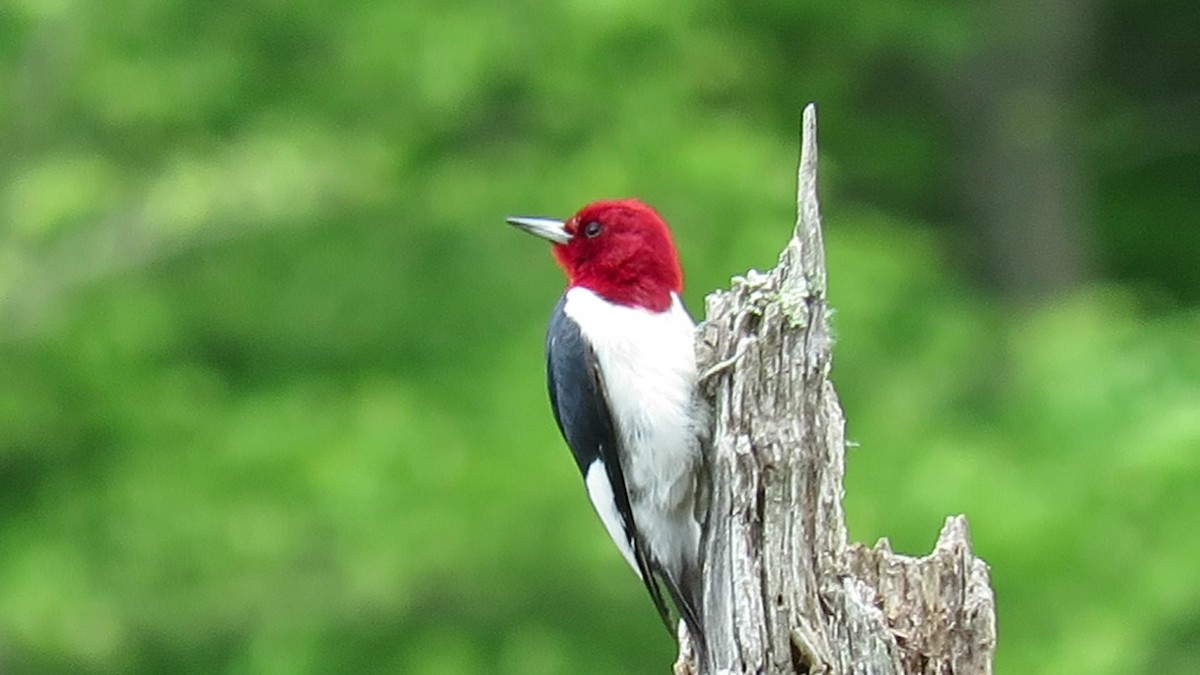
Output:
(784, 592)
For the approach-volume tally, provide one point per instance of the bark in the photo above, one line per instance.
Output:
(783, 590)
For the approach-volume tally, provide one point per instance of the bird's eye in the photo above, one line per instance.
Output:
(592, 229)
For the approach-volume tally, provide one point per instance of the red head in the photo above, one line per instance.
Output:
(621, 250)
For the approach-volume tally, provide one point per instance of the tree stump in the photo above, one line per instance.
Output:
(783, 590)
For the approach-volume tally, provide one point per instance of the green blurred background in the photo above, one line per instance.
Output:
(271, 395)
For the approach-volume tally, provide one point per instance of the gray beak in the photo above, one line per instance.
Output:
(546, 228)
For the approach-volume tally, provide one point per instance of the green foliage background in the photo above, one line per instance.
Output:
(271, 394)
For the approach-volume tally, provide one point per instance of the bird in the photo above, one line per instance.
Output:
(622, 377)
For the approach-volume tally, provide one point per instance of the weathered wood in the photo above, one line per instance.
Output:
(783, 590)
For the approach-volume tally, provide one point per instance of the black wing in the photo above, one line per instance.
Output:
(581, 410)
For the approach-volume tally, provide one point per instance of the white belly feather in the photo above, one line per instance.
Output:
(649, 367)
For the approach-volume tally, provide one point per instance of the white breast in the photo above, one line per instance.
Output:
(648, 363)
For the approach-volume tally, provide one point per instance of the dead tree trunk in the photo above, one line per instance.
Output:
(783, 590)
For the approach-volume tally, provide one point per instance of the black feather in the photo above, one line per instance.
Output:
(582, 412)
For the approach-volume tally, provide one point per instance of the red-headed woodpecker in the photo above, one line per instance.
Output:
(622, 376)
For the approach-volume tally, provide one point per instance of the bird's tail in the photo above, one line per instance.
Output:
(686, 593)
